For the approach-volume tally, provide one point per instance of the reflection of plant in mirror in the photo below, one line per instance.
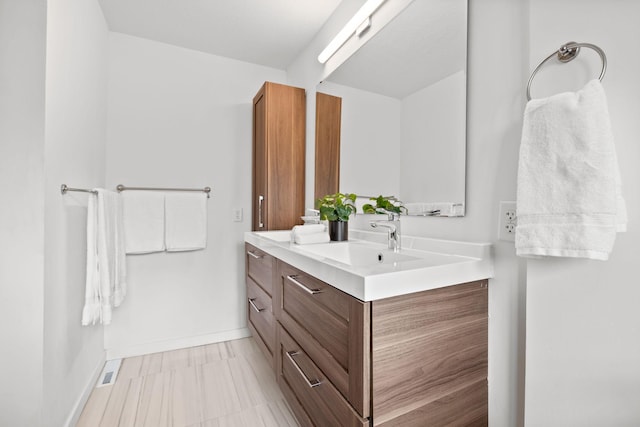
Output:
(336, 207)
(384, 205)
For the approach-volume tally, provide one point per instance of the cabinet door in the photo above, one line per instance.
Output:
(278, 157)
(259, 216)
(328, 119)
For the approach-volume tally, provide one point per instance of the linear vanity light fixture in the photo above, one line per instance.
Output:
(362, 16)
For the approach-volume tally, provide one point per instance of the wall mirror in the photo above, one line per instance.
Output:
(403, 119)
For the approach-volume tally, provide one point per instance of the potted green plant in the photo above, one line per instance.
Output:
(384, 205)
(337, 208)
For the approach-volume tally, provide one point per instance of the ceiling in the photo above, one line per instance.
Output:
(265, 32)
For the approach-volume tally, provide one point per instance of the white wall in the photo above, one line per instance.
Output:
(22, 107)
(182, 118)
(583, 322)
(75, 136)
(433, 142)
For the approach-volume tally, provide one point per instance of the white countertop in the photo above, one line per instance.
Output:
(421, 265)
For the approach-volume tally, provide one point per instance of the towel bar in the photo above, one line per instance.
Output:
(121, 188)
(566, 53)
(64, 188)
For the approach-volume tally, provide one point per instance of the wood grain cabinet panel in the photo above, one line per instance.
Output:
(426, 348)
(279, 120)
(328, 120)
(259, 274)
(260, 267)
(260, 315)
(331, 327)
(322, 403)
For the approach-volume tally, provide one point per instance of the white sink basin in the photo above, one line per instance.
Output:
(356, 253)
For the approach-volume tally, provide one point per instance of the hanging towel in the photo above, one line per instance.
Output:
(569, 200)
(106, 267)
(185, 221)
(91, 310)
(143, 221)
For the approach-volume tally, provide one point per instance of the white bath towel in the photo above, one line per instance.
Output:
(309, 234)
(185, 221)
(143, 221)
(91, 310)
(569, 201)
(306, 239)
(308, 229)
(106, 267)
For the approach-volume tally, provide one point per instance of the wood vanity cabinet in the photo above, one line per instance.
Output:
(411, 360)
(279, 113)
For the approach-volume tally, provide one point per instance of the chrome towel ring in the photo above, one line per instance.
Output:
(566, 53)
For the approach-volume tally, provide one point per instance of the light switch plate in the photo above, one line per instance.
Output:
(236, 214)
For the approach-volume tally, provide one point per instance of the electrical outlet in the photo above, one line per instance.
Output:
(237, 214)
(507, 221)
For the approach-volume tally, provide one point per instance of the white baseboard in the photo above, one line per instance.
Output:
(175, 344)
(74, 416)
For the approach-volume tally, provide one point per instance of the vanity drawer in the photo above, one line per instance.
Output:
(331, 327)
(322, 404)
(261, 315)
(321, 309)
(260, 267)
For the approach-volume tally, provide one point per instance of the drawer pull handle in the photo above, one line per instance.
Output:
(292, 279)
(250, 253)
(251, 302)
(310, 383)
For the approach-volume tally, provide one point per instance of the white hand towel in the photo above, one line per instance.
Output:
(91, 310)
(106, 267)
(306, 239)
(143, 221)
(308, 229)
(569, 192)
(186, 221)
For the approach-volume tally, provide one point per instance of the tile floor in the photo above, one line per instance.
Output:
(217, 385)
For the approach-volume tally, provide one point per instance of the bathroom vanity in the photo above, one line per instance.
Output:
(359, 335)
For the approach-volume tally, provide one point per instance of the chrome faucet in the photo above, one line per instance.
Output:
(392, 224)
